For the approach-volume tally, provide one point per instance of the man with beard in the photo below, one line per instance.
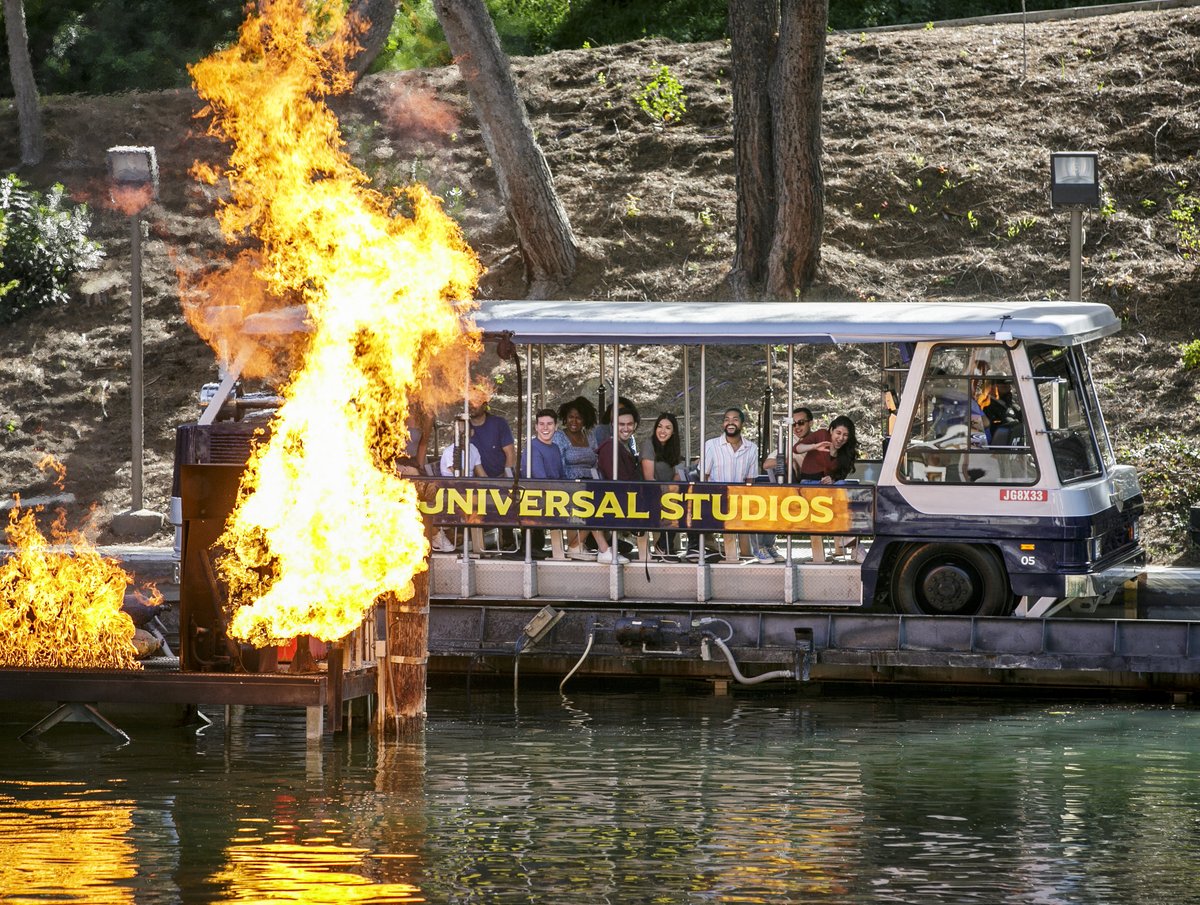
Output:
(732, 459)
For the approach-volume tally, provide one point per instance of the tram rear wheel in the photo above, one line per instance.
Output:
(950, 580)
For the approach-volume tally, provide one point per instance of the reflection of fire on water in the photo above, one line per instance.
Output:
(60, 603)
(323, 525)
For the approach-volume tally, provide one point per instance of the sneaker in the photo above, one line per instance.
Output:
(607, 556)
(692, 555)
(765, 557)
(442, 544)
(580, 554)
(779, 557)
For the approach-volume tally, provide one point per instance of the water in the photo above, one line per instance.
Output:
(617, 798)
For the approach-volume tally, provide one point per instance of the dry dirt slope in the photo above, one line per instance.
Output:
(936, 143)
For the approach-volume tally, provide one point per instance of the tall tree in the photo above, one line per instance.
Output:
(544, 233)
(29, 114)
(777, 66)
(375, 18)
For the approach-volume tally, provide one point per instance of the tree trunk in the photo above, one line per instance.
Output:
(375, 19)
(777, 67)
(797, 77)
(543, 231)
(29, 115)
(752, 30)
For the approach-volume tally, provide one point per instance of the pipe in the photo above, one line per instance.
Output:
(587, 650)
(737, 673)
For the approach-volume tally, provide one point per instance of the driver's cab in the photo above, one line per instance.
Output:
(1002, 443)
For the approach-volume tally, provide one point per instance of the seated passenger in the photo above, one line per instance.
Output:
(663, 462)
(627, 463)
(544, 462)
(802, 423)
(604, 426)
(450, 466)
(575, 439)
(833, 459)
(419, 425)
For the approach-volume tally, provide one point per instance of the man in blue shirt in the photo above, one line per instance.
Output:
(493, 438)
(543, 462)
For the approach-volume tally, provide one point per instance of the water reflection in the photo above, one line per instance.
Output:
(618, 798)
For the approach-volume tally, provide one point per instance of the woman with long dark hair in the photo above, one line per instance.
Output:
(661, 462)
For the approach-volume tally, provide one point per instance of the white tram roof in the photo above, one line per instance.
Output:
(749, 323)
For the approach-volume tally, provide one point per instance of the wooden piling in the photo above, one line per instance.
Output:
(405, 666)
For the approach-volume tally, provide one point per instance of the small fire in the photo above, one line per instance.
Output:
(323, 525)
(60, 602)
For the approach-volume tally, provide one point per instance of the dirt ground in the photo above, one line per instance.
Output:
(937, 150)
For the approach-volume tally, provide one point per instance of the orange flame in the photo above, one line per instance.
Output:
(62, 607)
(323, 525)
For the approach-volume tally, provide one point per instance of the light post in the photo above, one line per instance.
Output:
(133, 182)
(1075, 186)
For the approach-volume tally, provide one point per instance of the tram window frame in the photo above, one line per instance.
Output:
(1078, 434)
(976, 462)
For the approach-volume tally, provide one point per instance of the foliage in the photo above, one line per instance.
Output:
(46, 244)
(662, 98)
(1185, 214)
(1169, 474)
(4, 287)
(415, 41)
(100, 46)
(1190, 356)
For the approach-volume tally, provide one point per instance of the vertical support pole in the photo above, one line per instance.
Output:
(407, 659)
(1076, 293)
(687, 408)
(136, 383)
(335, 658)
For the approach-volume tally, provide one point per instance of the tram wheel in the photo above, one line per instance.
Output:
(950, 580)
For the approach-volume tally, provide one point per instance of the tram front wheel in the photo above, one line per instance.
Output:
(950, 580)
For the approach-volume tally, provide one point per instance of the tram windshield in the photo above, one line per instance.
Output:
(1071, 411)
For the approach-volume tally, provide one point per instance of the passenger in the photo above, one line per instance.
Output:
(493, 437)
(545, 462)
(810, 450)
(576, 440)
(419, 424)
(604, 427)
(732, 459)
(450, 466)
(663, 462)
(802, 421)
(833, 459)
(627, 463)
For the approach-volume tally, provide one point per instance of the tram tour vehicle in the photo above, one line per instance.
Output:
(959, 515)
(956, 517)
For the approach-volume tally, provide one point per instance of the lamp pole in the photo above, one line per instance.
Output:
(136, 382)
(1075, 185)
(133, 172)
(1076, 288)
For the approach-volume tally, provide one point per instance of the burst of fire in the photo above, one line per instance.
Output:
(60, 602)
(323, 525)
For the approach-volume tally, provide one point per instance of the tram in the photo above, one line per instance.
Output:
(954, 518)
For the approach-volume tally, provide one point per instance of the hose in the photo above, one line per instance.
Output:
(586, 650)
(737, 673)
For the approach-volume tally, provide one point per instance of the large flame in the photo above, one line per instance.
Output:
(60, 604)
(323, 525)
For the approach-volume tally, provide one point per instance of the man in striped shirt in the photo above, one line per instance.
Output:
(732, 459)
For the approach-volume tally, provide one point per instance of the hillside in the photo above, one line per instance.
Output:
(937, 150)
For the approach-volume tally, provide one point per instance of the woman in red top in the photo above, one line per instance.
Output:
(827, 455)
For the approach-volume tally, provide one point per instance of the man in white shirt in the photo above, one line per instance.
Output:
(732, 459)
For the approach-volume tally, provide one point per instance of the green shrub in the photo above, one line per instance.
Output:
(46, 245)
(662, 98)
(1169, 474)
(1190, 356)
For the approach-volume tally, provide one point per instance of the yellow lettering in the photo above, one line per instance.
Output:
(753, 508)
(439, 502)
(697, 502)
(669, 505)
(632, 510)
(582, 503)
(729, 511)
(502, 500)
(457, 502)
(790, 505)
(822, 510)
(556, 503)
(608, 505)
(531, 503)
(773, 511)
